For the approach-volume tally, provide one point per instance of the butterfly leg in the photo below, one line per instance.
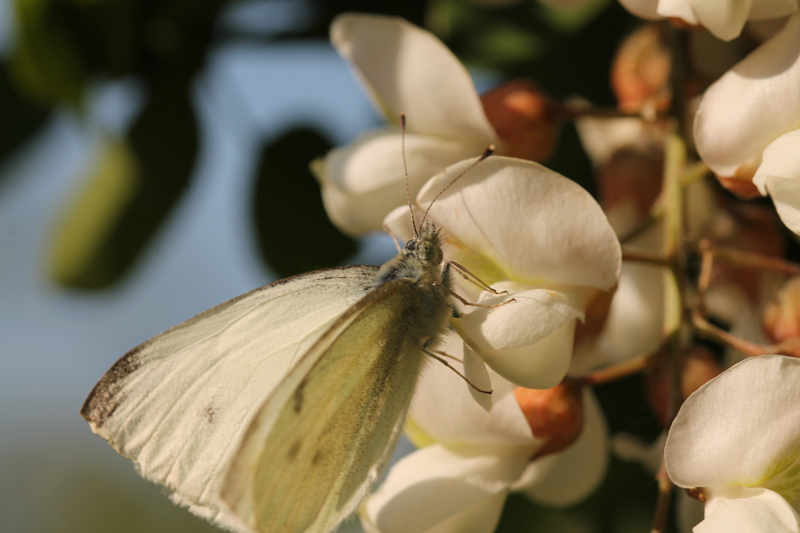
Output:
(448, 365)
(465, 302)
(462, 271)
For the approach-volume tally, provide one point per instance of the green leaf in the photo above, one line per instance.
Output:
(294, 232)
(15, 110)
(45, 61)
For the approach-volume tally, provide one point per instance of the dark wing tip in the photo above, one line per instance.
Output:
(104, 399)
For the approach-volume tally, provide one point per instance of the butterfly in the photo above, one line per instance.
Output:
(277, 410)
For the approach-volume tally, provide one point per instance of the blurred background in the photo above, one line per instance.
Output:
(154, 163)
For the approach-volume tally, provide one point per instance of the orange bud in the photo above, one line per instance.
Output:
(596, 314)
(524, 119)
(555, 415)
(741, 183)
(640, 72)
(781, 318)
(698, 367)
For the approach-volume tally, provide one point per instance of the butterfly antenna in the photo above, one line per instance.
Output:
(405, 168)
(489, 151)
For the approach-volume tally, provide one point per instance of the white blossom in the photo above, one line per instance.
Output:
(738, 438)
(470, 459)
(404, 69)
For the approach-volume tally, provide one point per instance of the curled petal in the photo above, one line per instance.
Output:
(762, 89)
(565, 478)
(444, 410)
(530, 223)
(740, 428)
(408, 70)
(532, 316)
(747, 510)
(539, 366)
(434, 485)
(779, 175)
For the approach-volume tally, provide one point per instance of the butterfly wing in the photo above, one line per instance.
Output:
(180, 403)
(317, 445)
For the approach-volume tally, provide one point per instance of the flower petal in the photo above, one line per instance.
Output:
(724, 20)
(445, 411)
(364, 180)
(779, 175)
(539, 366)
(565, 478)
(408, 70)
(533, 316)
(762, 89)
(746, 510)
(530, 223)
(434, 484)
(476, 372)
(740, 428)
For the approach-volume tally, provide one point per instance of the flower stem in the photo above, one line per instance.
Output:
(662, 503)
(621, 370)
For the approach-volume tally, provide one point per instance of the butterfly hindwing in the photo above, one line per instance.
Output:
(321, 440)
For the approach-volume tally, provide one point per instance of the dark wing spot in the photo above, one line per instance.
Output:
(210, 412)
(319, 455)
(298, 397)
(294, 450)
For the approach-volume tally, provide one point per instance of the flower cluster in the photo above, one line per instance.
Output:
(558, 311)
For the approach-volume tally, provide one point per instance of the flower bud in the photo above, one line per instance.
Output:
(698, 367)
(633, 175)
(640, 72)
(781, 318)
(741, 183)
(524, 119)
(555, 415)
(751, 228)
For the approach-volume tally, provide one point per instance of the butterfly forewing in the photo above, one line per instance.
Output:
(321, 440)
(180, 403)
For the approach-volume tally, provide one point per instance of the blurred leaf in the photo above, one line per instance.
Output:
(504, 42)
(294, 232)
(18, 112)
(45, 60)
(572, 19)
(163, 142)
(108, 190)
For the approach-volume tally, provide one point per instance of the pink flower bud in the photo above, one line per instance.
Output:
(555, 415)
(524, 119)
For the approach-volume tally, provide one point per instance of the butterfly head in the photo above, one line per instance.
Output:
(427, 246)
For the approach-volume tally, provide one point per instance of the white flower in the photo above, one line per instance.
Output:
(738, 438)
(405, 69)
(751, 117)
(724, 18)
(470, 459)
(527, 230)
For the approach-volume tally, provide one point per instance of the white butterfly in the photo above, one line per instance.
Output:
(276, 411)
